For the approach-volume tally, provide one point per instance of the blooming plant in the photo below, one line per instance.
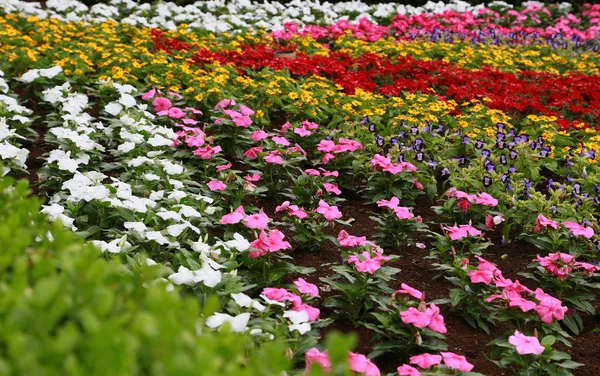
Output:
(362, 283)
(527, 355)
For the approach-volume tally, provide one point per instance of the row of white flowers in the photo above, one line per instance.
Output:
(221, 15)
(14, 119)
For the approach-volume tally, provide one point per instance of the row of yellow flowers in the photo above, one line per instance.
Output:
(125, 53)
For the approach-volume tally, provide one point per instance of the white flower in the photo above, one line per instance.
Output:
(139, 227)
(127, 100)
(189, 212)
(200, 247)
(299, 321)
(244, 300)
(113, 108)
(237, 323)
(239, 243)
(157, 237)
(177, 229)
(170, 167)
(184, 276)
(169, 214)
(126, 147)
(158, 140)
(50, 72)
(29, 76)
(151, 177)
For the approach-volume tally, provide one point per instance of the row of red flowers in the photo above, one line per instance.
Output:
(573, 99)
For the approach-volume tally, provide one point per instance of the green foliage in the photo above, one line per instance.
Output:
(66, 311)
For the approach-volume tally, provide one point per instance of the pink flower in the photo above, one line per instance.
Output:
(414, 316)
(195, 141)
(302, 132)
(326, 146)
(360, 363)
(193, 111)
(224, 167)
(285, 127)
(280, 141)
(306, 288)
(542, 221)
(259, 220)
(207, 151)
(161, 104)
(493, 221)
(240, 120)
(369, 264)
(406, 289)
(252, 178)
(330, 212)
(463, 231)
(315, 356)
(347, 240)
(272, 157)
(327, 157)
(234, 217)
(312, 312)
(224, 103)
(455, 361)
(417, 184)
(173, 112)
(281, 295)
(406, 370)
(149, 94)
(272, 242)
(216, 185)
(481, 276)
(310, 125)
(549, 307)
(403, 213)
(189, 121)
(312, 172)
(329, 173)
(259, 135)
(485, 199)
(392, 203)
(246, 111)
(176, 95)
(579, 230)
(332, 188)
(526, 345)
(426, 360)
(436, 321)
(253, 153)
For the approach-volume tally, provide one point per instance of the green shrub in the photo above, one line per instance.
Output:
(64, 310)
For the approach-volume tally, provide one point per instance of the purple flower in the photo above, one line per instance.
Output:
(372, 127)
(486, 153)
(487, 181)
(479, 144)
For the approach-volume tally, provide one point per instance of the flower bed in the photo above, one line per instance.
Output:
(398, 178)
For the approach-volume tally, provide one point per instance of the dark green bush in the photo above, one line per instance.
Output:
(65, 310)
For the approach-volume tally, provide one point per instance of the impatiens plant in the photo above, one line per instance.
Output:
(397, 224)
(570, 280)
(361, 285)
(527, 355)
(408, 325)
